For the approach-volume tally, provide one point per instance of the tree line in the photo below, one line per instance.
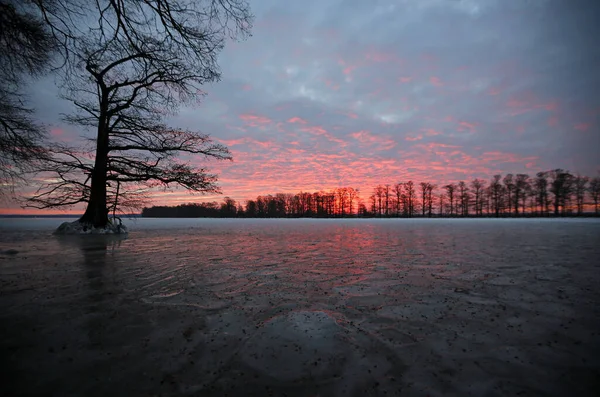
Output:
(550, 193)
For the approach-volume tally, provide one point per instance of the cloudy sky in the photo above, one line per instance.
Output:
(331, 93)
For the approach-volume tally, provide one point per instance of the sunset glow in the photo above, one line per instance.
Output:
(359, 95)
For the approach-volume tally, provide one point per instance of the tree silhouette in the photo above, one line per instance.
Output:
(520, 186)
(26, 46)
(450, 190)
(464, 197)
(496, 194)
(509, 187)
(136, 65)
(561, 187)
(579, 188)
(411, 197)
(337, 202)
(478, 186)
(594, 189)
(540, 186)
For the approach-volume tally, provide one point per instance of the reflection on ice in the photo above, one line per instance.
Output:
(301, 307)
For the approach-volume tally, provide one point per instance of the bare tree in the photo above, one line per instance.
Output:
(387, 195)
(397, 190)
(496, 194)
(411, 197)
(580, 188)
(26, 45)
(561, 187)
(521, 183)
(464, 197)
(509, 187)
(430, 189)
(450, 190)
(137, 64)
(352, 196)
(424, 188)
(442, 199)
(540, 186)
(478, 185)
(594, 189)
(379, 194)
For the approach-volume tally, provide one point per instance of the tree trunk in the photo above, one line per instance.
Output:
(96, 212)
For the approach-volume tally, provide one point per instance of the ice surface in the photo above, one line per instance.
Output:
(302, 307)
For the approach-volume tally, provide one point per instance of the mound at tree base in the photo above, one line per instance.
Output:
(78, 228)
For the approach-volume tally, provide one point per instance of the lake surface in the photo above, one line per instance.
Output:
(302, 307)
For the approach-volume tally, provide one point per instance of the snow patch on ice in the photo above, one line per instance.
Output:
(78, 228)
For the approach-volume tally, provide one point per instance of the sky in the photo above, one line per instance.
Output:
(334, 93)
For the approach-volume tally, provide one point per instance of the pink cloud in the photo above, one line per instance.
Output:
(436, 81)
(248, 141)
(405, 79)
(254, 120)
(464, 126)
(297, 120)
(320, 131)
(582, 126)
(430, 132)
(366, 137)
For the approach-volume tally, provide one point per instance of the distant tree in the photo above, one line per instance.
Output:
(373, 201)
(442, 199)
(430, 189)
(352, 196)
(561, 188)
(509, 187)
(26, 45)
(398, 191)
(129, 64)
(450, 190)
(594, 189)
(464, 197)
(496, 194)
(379, 194)
(520, 187)
(228, 207)
(424, 190)
(540, 187)
(478, 186)
(387, 195)
(251, 208)
(411, 197)
(580, 188)
(342, 196)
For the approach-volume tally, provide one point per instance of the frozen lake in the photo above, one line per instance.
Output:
(302, 307)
